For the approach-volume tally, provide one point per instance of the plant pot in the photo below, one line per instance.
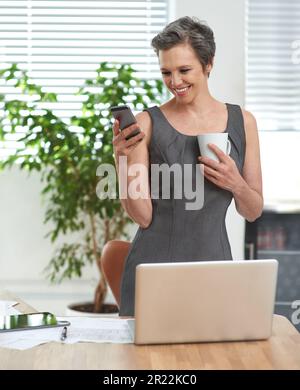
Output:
(86, 309)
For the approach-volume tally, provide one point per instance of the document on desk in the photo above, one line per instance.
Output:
(82, 329)
(25, 339)
(99, 330)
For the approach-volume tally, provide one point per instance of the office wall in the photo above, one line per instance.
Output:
(24, 251)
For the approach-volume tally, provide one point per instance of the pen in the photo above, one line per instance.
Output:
(64, 333)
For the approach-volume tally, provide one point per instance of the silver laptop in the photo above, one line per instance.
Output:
(204, 301)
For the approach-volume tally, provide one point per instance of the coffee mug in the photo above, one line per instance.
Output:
(219, 139)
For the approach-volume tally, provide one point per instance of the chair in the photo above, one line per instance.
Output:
(112, 260)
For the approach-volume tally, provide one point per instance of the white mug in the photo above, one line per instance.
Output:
(219, 139)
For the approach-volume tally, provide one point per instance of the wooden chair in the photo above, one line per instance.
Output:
(113, 258)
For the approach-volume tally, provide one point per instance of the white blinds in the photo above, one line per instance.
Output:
(61, 43)
(273, 63)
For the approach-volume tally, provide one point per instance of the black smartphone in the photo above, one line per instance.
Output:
(30, 321)
(126, 118)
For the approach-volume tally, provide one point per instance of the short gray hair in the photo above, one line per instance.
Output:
(188, 30)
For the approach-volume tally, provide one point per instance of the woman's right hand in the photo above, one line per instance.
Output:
(123, 147)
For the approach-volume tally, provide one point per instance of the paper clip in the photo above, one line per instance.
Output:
(64, 333)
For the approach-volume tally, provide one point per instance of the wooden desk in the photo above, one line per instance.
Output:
(281, 351)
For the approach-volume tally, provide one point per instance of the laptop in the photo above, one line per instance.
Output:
(204, 301)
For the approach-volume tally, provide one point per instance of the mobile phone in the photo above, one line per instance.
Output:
(126, 118)
(30, 321)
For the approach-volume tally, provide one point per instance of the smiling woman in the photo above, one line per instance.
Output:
(169, 232)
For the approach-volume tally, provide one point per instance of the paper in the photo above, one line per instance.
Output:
(7, 309)
(82, 329)
(25, 339)
(99, 330)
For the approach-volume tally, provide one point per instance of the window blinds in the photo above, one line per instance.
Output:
(273, 63)
(61, 43)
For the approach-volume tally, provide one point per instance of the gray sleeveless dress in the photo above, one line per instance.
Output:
(176, 234)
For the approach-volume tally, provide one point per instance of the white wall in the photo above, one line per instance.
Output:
(227, 80)
(280, 160)
(24, 252)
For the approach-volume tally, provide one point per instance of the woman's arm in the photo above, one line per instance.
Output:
(248, 194)
(127, 154)
(246, 189)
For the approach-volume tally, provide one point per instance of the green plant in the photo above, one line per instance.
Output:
(68, 160)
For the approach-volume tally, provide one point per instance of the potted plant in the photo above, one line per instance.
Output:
(67, 155)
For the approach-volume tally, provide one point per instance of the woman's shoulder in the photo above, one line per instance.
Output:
(144, 121)
(144, 118)
(250, 123)
(249, 120)
(248, 117)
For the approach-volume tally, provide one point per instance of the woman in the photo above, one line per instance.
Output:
(167, 231)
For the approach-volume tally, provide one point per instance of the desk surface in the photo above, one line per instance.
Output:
(281, 351)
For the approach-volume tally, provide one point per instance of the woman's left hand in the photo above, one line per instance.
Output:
(223, 174)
